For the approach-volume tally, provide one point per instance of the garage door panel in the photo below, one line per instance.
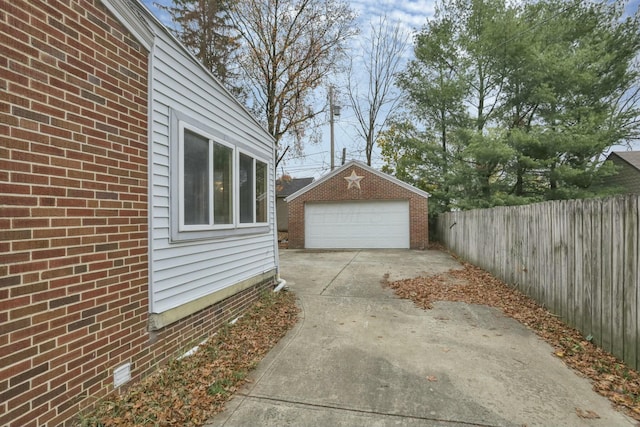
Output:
(371, 224)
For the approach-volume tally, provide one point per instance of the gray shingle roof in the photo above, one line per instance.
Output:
(631, 157)
(286, 187)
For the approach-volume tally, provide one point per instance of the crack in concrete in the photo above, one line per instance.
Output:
(364, 412)
(340, 272)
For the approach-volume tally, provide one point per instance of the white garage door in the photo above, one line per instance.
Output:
(370, 224)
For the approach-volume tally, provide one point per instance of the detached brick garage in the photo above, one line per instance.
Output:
(357, 206)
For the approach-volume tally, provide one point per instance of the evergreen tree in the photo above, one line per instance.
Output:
(205, 27)
(523, 99)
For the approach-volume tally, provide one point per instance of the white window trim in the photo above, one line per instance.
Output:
(268, 195)
(234, 172)
(254, 158)
(178, 122)
(182, 126)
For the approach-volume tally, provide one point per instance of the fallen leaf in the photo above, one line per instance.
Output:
(188, 391)
(610, 376)
(586, 414)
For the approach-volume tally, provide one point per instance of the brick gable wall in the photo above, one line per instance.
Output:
(372, 187)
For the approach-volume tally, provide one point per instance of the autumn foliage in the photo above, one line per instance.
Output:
(191, 389)
(610, 376)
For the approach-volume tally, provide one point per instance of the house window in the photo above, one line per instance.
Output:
(261, 191)
(253, 190)
(218, 186)
(196, 179)
(246, 189)
(222, 184)
(206, 176)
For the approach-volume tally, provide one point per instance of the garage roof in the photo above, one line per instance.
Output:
(361, 166)
(286, 187)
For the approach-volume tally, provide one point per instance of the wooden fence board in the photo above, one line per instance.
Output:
(607, 287)
(629, 274)
(596, 273)
(636, 204)
(576, 253)
(558, 261)
(586, 281)
(547, 259)
(537, 276)
(568, 272)
(617, 276)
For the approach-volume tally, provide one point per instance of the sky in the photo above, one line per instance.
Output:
(315, 160)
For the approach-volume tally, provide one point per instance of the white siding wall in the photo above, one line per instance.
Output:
(184, 271)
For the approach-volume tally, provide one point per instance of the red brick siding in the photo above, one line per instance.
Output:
(74, 214)
(73, 207)
(372, 187)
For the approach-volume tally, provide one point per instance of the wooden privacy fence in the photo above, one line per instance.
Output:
(579, 258)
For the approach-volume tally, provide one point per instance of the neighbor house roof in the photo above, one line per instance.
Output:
(286, 186)
(364, 167)
(631, 157)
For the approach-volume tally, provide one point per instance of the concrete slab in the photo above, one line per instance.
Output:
(360, 356)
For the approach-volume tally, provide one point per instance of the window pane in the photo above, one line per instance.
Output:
(196, 179)
(222, 184)
(261, 192)
(246, 189)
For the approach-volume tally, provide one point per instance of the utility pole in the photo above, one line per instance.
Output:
(334, 110)
(331, 126)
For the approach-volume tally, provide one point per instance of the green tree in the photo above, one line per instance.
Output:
(523, 98)
(412, 156)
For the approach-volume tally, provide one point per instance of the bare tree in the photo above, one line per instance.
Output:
(371, 84)
(291, 48)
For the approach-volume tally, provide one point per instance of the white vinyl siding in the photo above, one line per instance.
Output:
(182, 271)
(357, 224)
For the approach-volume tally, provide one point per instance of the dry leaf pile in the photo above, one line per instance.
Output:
(190, 390)
(610, 376)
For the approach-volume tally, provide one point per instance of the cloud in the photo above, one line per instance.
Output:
(412, 15)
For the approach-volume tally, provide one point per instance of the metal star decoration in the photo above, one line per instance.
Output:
(353, 180)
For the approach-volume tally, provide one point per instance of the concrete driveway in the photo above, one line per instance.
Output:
(362, 357)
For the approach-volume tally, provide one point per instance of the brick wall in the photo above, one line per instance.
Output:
(73, 206)
(372, 187)
(74, 214)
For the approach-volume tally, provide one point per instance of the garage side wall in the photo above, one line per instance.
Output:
(372, 187)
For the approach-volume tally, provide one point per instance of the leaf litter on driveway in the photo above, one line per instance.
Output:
(189, 390)
(610, 376)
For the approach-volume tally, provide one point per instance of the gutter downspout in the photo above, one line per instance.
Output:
(282, 284)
